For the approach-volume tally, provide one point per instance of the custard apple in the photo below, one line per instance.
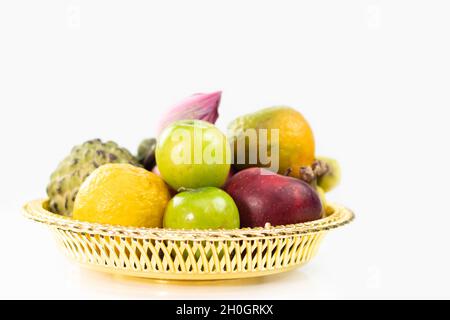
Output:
(77, 166)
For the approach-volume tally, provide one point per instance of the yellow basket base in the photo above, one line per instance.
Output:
(169, 276)
(167, 254)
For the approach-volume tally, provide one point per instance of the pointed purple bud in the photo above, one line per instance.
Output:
(199, 106)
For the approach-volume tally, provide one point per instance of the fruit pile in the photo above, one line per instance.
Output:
(192, 176)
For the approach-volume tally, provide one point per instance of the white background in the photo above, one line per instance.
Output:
(372, 77)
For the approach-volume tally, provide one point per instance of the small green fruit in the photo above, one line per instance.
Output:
(204, 208)
(332, 178)
(146, 153)
(323, 199)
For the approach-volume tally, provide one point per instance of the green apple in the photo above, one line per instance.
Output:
(204, 208)
(193, 154)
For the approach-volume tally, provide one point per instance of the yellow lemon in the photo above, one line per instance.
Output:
(122, 194)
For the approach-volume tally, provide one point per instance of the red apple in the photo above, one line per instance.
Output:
(264, 197)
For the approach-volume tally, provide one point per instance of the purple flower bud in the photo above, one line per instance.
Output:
(199, 106)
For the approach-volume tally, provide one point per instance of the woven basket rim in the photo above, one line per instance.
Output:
(337, 216)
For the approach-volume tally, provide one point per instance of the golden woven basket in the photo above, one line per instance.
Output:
(189, 254)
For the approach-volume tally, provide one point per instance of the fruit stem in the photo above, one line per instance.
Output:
(311, 173)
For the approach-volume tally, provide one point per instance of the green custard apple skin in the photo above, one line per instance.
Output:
(204, 208)
(193, 154)
(332, 178)
(77, 166)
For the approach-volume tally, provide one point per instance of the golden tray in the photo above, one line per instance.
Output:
(189, 254)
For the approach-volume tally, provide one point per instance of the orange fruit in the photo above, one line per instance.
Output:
(122, 194)
(296, 147)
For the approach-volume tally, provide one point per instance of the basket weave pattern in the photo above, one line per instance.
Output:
(188, 254)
